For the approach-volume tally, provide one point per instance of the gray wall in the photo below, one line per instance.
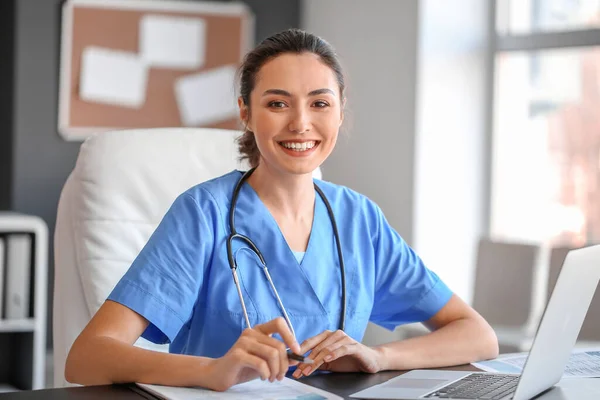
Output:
(7, 12)
(41, 160)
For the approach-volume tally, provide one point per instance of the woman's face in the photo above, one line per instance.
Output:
(296, 112)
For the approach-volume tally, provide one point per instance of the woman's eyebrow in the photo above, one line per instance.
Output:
(281, 92)
(321, 91)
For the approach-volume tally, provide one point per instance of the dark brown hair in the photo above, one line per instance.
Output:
(289, 41)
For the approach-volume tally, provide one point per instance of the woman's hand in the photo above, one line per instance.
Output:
(336, 351)
(255, 354)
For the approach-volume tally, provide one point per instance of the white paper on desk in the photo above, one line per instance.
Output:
(287, 389)
(172, 42)
(113, 77)
(583, 363)
(207, 97)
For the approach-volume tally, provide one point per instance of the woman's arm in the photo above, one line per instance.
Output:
(460, 336)
(104, 353)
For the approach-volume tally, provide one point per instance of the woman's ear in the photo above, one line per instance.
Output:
(342, 108)
(243, 111)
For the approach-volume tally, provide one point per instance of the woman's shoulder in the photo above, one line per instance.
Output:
(344, 196)
(217, 189)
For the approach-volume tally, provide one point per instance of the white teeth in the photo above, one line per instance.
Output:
(298, 146)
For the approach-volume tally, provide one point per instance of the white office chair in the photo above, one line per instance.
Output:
(121, 186)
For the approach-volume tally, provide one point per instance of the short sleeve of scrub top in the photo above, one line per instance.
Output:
(181, 243)
(406, 291)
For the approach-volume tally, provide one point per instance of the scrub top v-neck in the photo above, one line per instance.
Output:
(182, 284)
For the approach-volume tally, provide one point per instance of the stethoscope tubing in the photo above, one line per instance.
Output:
(233, 265)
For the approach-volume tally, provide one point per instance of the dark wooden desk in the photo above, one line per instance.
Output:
(341, 384)
(345, 384)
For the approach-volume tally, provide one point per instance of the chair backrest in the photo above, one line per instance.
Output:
(590, 331)
(504, 281)
(121, 187)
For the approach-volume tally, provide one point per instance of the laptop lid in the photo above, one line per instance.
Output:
(561, 322)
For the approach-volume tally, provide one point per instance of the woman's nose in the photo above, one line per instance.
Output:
(300, 122)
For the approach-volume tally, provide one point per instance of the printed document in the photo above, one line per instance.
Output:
(287, 389)
(583, 363)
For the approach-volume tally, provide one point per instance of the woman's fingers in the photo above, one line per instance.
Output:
(334, 346)
(270, 355)
(257, 350)
(280, 326)
(331, 339)
(333, 352)
(280, 350)
(268, 348)
(324, 354)
(311, 343)
(307, 345)
(256, 363)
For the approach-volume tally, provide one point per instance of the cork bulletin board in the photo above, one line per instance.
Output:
(102, 41)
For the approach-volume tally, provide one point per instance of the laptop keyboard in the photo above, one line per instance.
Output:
(479, 386)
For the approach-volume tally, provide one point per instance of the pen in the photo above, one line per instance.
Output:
(296, 357)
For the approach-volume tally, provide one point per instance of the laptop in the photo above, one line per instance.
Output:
(556, 335)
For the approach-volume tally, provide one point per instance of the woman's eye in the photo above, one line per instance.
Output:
(321, 104)
(277, 104)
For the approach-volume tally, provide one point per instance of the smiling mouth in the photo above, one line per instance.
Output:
(299, 146)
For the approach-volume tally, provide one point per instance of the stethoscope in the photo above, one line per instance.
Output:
(233, 264)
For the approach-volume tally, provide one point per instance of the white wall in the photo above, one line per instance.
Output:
(377, 42)
(451, 157)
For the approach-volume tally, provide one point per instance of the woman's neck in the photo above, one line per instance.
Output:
(287, 195)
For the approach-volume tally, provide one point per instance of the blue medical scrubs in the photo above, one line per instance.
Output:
(182, 284)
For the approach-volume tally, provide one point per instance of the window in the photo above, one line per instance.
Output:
(546, 133)
(527, 16)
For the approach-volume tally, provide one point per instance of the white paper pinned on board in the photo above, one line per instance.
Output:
(172, 42)
(207, 97)
(113, 77)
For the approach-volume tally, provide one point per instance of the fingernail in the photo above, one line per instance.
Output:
(307, 370)
(328, 357)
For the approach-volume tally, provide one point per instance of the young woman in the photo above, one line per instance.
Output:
(334, 262)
